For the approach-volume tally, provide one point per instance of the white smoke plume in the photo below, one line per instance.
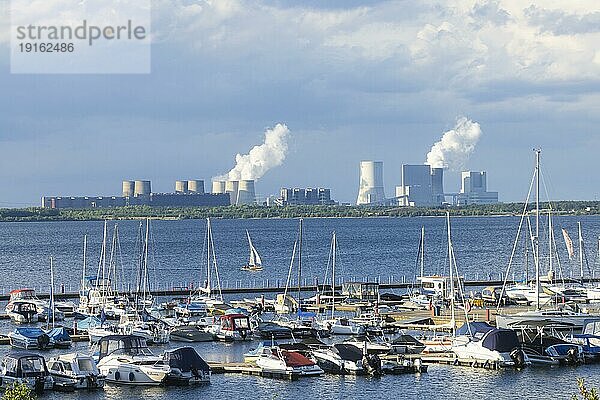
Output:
(456, 146)
(262, 157)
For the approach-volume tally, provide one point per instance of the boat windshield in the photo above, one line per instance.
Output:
(85, 365)
(241, 323)
(32, 366)
(133, 346)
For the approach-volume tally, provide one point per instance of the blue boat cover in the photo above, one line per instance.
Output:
(59, 334)
(89, 322)
(501, 340)
(306, 314)
(472, 328)
(31, 333)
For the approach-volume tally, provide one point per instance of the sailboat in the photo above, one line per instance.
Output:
(206, 295)
(254, 263)
(533, 319)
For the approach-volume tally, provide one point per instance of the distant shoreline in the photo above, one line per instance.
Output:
(261, 212)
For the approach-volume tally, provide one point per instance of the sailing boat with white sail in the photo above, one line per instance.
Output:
(207, 295)
(254, 263)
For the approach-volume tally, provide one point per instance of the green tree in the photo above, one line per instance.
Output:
(586, 394)
(18, 391)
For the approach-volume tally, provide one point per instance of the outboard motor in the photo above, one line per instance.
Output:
(518, 356)
(43, 341)
(38, 386)
(573, 356)
(372, 364)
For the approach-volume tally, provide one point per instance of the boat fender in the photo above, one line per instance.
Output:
(131, 377)
(117, 375)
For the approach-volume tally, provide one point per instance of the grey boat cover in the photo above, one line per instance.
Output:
(474, 328)
(186, 359)
(501, 340)
(348, 352)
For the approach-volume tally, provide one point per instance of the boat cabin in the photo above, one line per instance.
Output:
(22, 294)
(235, 322)
(368, 291)
(122, 344)
(23, 365)
(437, 286)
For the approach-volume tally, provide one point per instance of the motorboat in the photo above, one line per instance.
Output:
(402, 365)
(30, 338)
(406, 344)
(254, 262)
(557, 319)
(274, 359)
(87, 323)
(346, 359)
(589, 340)
(59, 337)
(25, 368)
(126, 359)
(550, 350)
(343, 326)
(42, 307)
(272, 330)
(22, 311)
(373, 345)
(187, 367)
(483, 343)
(133, 324)
(187, 333)
(231, 327)
(75, 370)
(98, 332)
(188, 307)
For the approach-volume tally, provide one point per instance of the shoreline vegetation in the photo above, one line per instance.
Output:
(34, 214)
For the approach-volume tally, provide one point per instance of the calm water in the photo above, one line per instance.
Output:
(373, 248)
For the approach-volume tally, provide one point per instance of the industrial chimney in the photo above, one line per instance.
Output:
(370, 189)
(246, 193)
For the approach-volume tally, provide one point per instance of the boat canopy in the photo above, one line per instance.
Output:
(186, 359)
(501, 340)
(24, 365)
(348, 352)
(592, 327)
(407, 339)
(31, 333)
(306, 314)
(475, 328)
(129, 344)
(59, 334)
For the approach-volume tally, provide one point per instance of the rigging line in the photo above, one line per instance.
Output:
(512, 255)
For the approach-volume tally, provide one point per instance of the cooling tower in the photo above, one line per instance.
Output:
(246, 193)
(232, 188)
(181, 186)
(128, 188)
(142, 188)
(370, 189)
(218, 187)
(195, 186)
(437, 185)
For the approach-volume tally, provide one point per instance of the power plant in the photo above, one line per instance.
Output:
(474, 189)
(240, 192)
(370, 189)
(422, 186)
(188, 193)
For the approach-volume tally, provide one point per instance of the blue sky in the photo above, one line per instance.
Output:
(352, 80)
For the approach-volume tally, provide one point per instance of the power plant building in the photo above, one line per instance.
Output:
(240, 192)
(305, 196)
(188, 193)
(422, 186)
(474, 189)
(370, 187)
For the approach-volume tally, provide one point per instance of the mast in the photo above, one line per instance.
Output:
(52, 290)
(84, 262)
(333, 249)
(537, 228)
(422, 252)
(580, 252)
(550, 241)
(208, 234)
(450, 258)
(145, 287)
(103, 261)
(300, 262)
(251, 261)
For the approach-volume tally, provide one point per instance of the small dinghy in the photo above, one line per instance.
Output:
(75, 370)
(25, 368)
(187, 367)
(30, 338)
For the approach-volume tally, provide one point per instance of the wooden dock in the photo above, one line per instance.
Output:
(249, 369)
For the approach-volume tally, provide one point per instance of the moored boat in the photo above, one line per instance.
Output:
(76, 370)
(25, 368)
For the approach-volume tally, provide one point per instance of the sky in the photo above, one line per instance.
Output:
(352, 80)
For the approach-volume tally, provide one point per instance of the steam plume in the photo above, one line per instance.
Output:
(262, 157)
(456, 145)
